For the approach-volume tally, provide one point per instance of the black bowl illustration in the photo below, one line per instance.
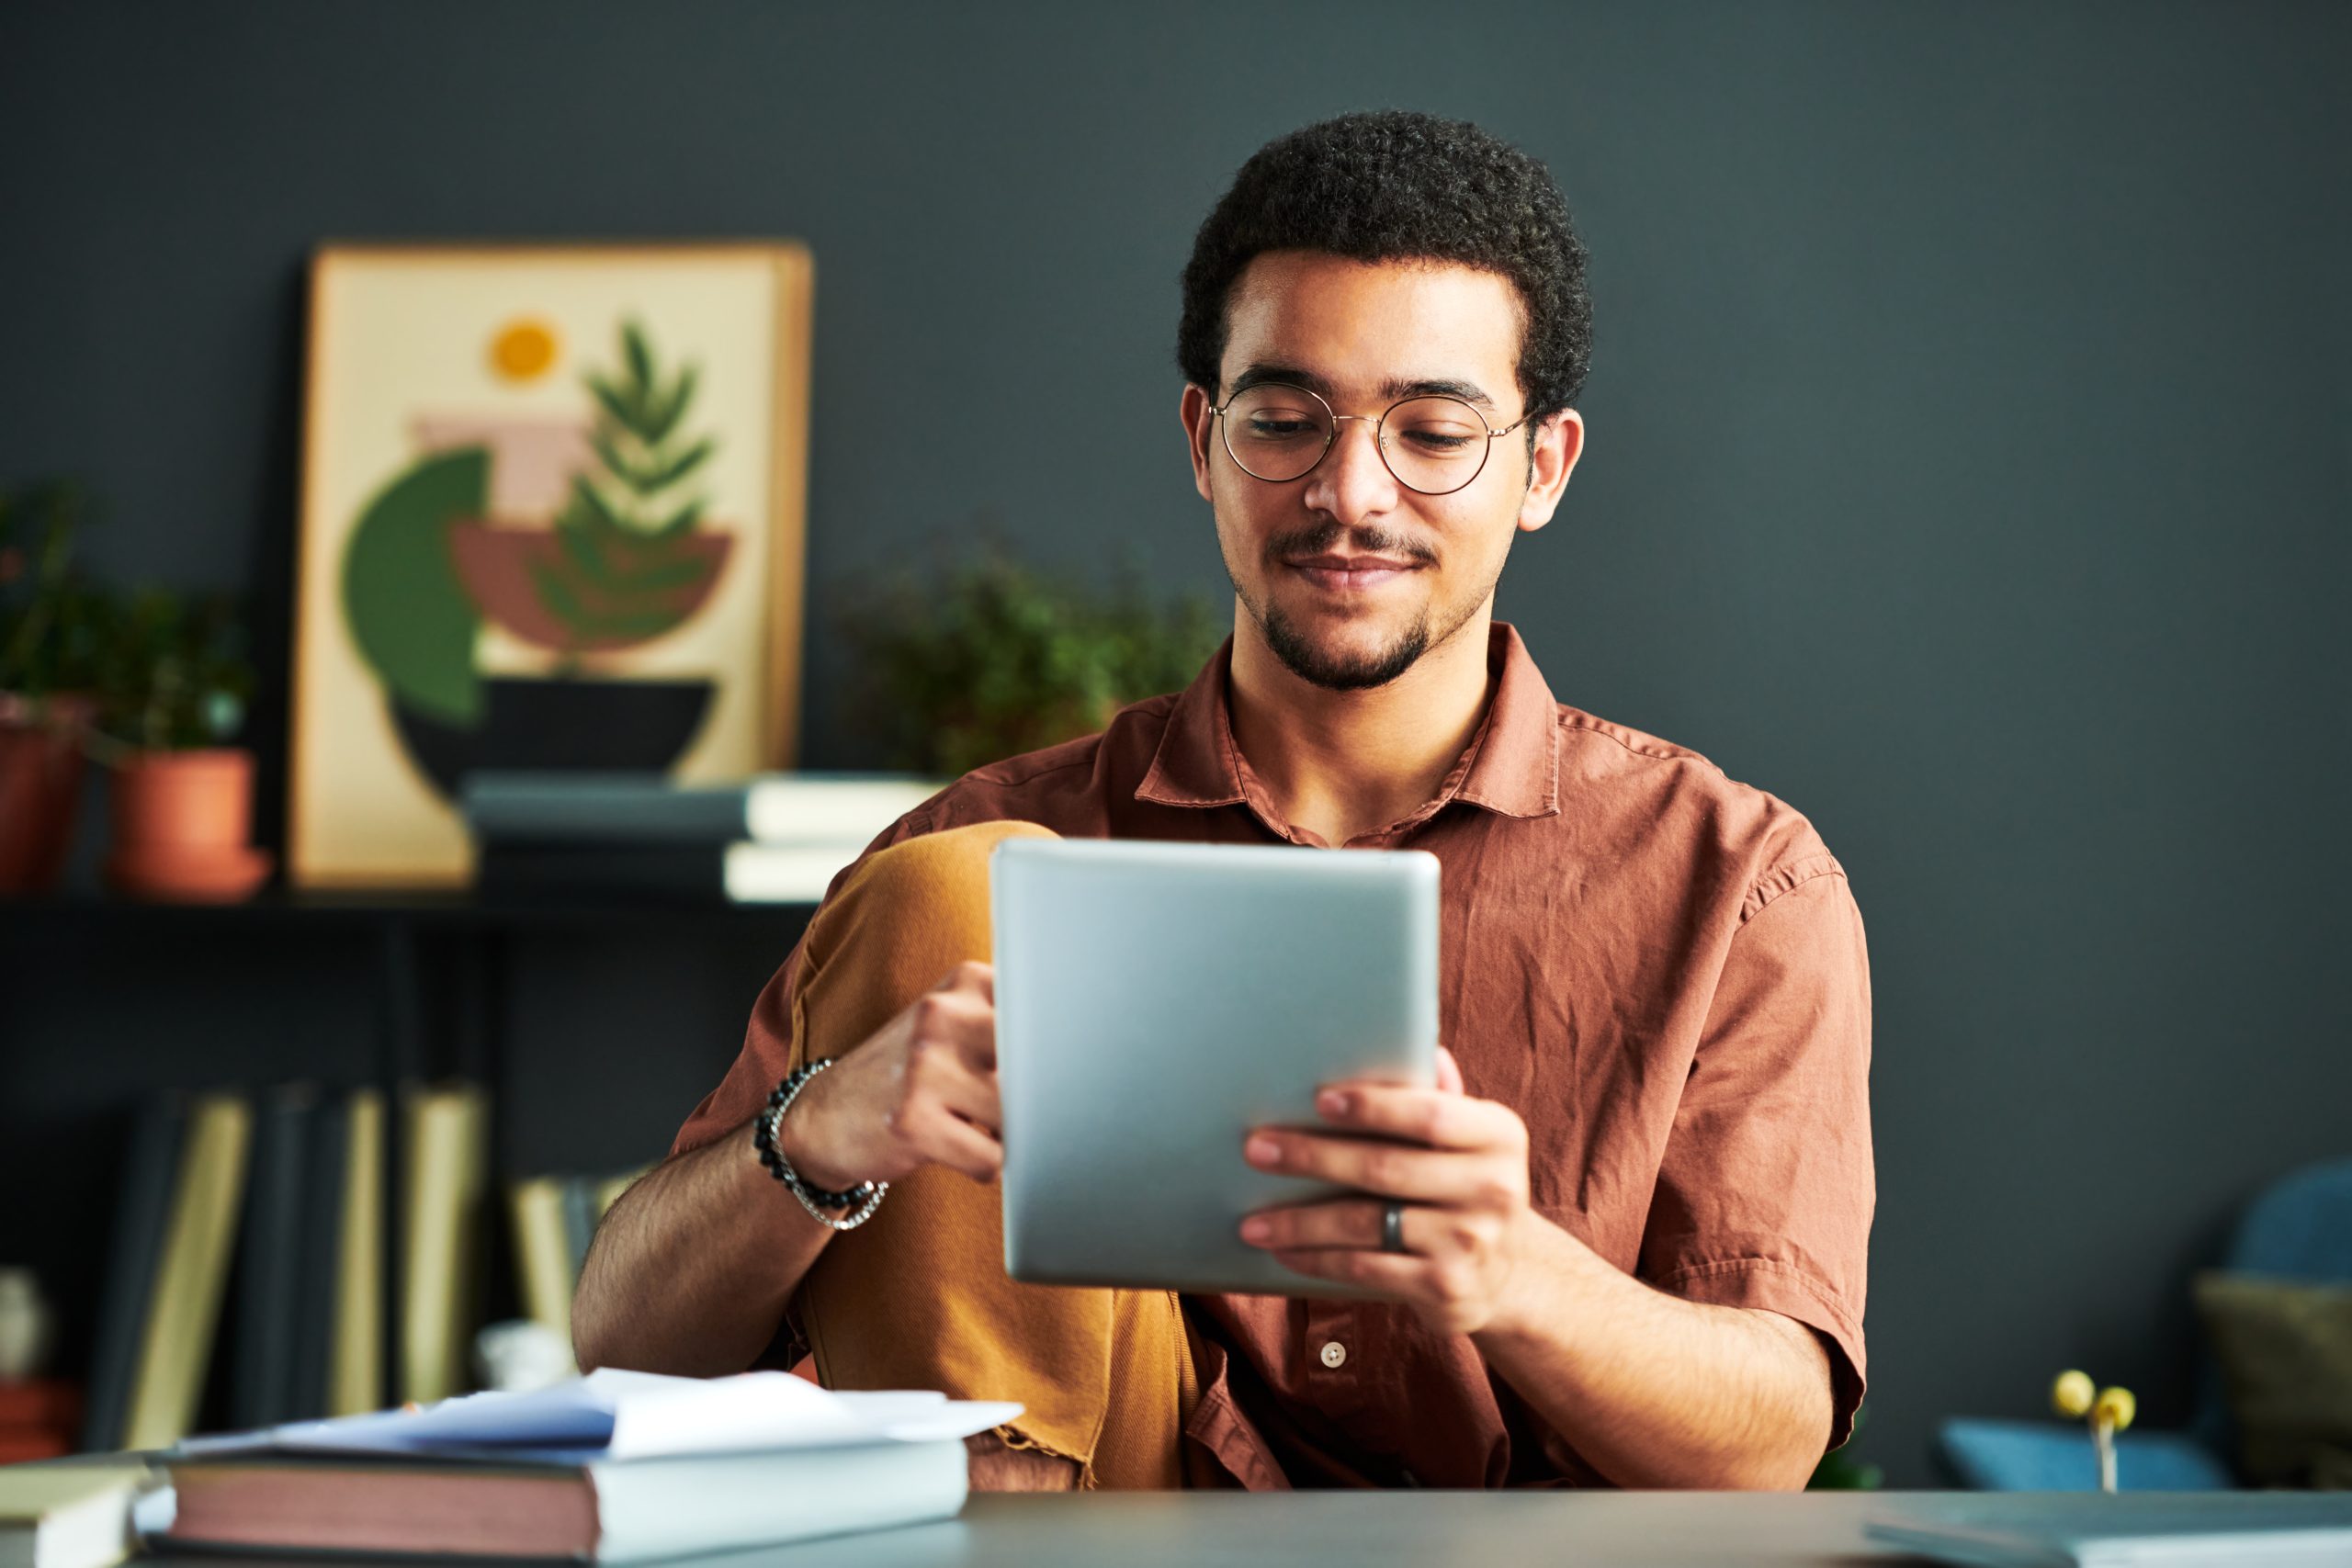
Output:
(568, 725)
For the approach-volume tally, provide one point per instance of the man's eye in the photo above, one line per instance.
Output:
(1437, 443)
(1270, 427)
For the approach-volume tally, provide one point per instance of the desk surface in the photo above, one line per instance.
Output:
(1473, 1530)
(1425, 1530)
(1198, 1530)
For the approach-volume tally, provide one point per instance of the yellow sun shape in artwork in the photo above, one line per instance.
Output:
(524, 350)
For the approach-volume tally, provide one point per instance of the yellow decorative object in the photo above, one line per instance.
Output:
(2115, 1408)
(524, 350)
(2072, 1394)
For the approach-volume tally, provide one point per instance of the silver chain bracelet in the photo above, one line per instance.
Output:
(839, 1211)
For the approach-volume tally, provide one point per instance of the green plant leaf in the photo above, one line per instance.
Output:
(580, 547)
(620, 407)
(557, 594)
(402, 598)
(640, 361)
(599, 512)
(680, 525)
(663, 417)
(679, 466)
(660, 576)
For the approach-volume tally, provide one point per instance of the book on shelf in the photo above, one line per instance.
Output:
(356, 1146)
(264, 1314)
(175, 1230)
(616, 1467)
(142, 1209)
(742, 873)
(69, 1516)
(779, 808)
(444, 1185)
(255, 1236)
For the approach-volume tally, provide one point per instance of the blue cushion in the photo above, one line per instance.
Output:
(2046, 1456)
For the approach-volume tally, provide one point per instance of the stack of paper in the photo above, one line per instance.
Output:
(616, 1467)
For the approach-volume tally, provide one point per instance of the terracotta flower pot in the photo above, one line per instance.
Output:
(40, 788)
(181, 819)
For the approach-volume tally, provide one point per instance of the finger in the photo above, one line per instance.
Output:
(959, 1145)
(1436, 1117)
(1349, 1222)
(962, 1020)
(1390, 1273)
(972, 976)
(972, 1096)
(1449, 1072)
(1372, 1165)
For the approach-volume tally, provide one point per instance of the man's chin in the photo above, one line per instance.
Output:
(1344, 659)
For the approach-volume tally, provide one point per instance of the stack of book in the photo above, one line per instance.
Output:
(260, 1231)
(616, 1467)
(777, 838)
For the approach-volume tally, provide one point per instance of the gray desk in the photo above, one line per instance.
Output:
(1454, 1530)
(1423, 1530)
(1323, 1528)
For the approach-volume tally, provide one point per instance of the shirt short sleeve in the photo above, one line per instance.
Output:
(1765, 1191)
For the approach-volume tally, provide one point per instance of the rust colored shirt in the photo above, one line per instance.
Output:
(1660, 969)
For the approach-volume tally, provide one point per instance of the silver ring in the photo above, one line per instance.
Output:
(1392, 1228)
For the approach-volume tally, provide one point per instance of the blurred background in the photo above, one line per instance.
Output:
(1968, 466)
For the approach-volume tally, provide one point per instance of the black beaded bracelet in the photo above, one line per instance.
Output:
(864, 1198)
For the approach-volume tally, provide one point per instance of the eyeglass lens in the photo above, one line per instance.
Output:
(1432, 445)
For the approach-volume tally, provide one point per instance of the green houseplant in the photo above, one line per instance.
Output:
(54, 625)
(985, 658)
(173, 683)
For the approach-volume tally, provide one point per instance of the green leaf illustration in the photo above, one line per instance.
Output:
(678, 468)
(663, 419)
(406, 609)
(618, 406)
(681, 525)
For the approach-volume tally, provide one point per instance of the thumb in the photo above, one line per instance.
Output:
(1449, 1072)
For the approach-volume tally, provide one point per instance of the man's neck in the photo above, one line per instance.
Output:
(1345, 763)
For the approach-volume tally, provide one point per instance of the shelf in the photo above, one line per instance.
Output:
(368, 906)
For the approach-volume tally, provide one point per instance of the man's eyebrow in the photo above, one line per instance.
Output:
(1392, 389)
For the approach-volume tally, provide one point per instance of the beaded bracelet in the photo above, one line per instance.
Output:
(865, 1198)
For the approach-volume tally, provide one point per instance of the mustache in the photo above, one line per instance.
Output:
(1324, 535)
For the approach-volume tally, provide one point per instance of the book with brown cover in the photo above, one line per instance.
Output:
(608, 1511)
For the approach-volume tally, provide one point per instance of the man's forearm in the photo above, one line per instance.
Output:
(1654, 1391)
(692, 1267)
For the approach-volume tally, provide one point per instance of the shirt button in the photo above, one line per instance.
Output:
(1334, 1353)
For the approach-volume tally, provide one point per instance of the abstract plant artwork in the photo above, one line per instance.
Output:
(552, 520)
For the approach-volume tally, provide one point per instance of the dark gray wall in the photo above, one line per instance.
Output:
(1969, 467)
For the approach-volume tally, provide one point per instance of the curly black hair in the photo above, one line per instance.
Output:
(1394, 186)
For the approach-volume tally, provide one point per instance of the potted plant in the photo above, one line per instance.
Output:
(54, 623)
(987, 658)
(173, 685)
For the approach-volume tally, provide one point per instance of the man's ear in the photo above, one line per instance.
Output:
(1200, 415)
(1559, 442)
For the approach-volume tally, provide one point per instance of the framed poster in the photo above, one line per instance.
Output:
(551, 518)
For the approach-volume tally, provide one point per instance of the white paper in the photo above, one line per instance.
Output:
(613, 1415)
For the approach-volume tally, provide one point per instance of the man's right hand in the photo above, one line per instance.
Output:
(920, 1091)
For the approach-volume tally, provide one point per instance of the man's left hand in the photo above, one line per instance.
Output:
(1457, 1165)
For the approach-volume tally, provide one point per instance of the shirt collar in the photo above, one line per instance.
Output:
(1514, 760)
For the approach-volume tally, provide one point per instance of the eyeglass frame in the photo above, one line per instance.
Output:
(1379, 439)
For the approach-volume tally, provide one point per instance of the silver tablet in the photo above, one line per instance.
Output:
(1154, 1002)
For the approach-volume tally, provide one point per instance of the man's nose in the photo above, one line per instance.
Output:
(1352, 482)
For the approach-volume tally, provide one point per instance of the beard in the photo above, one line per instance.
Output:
(1332, 668)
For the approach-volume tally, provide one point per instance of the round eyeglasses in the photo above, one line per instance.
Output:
(1433, 444)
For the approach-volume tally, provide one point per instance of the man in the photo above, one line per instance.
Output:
(1632, 1216)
